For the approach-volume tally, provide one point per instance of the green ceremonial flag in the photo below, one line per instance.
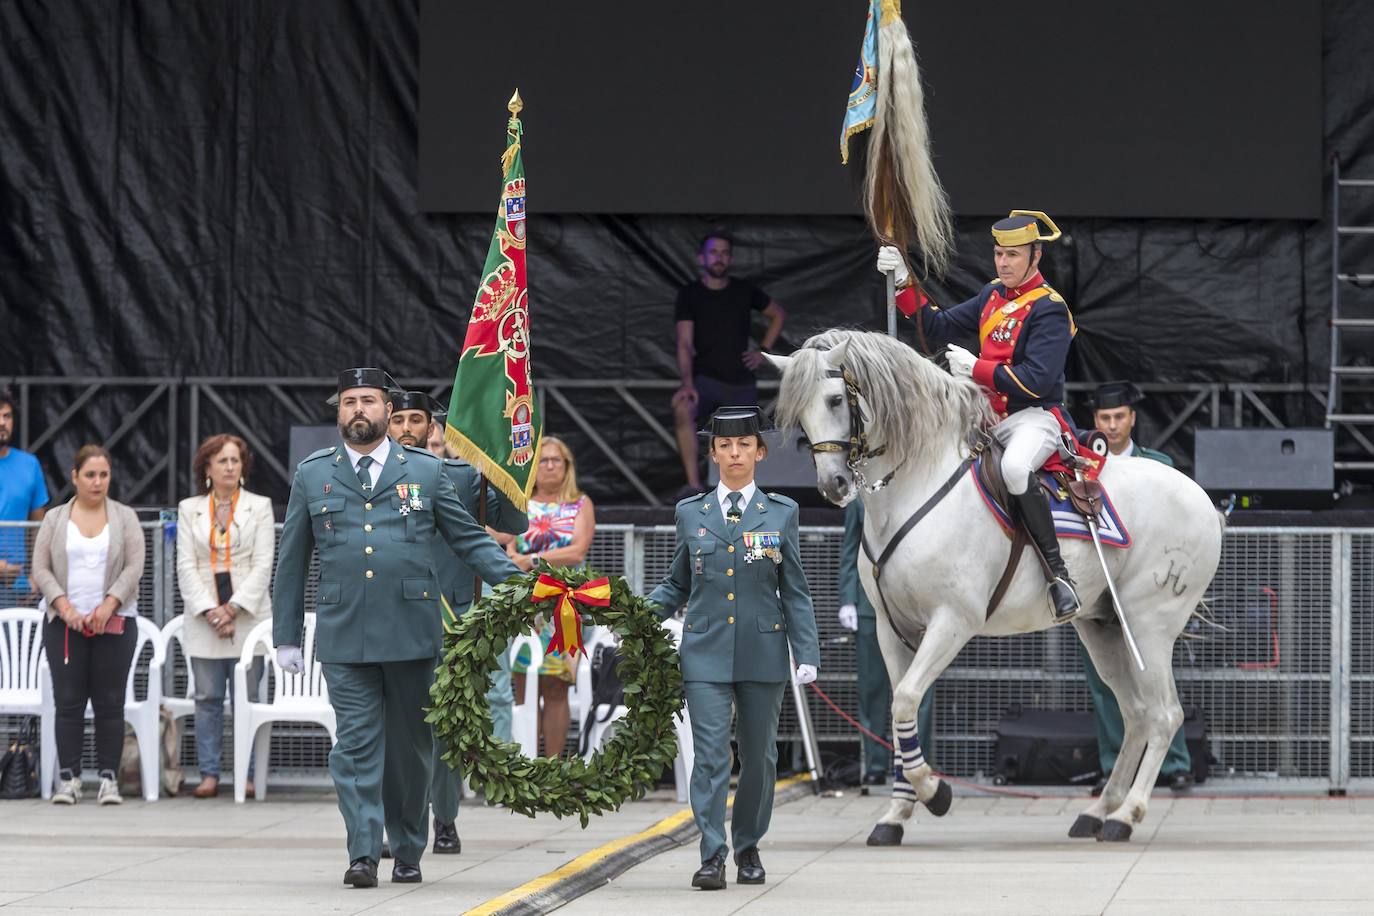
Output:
(493, 418)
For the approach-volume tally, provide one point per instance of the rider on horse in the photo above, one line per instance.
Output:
(1024, 329)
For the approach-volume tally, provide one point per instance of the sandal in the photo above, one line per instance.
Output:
(208, 788)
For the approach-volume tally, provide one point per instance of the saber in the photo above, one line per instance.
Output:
(1111, 586)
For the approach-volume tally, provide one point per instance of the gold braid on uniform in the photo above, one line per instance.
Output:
(623, 769)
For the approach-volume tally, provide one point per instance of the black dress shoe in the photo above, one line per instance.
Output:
(401, 873)
(750, 868)
(446, 840)
(711, 875)
(875, 779)
(1179, 782)
(361, 873)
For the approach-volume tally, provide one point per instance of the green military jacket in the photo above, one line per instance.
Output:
(378, 599)
(851, 591)
(746, 595)
(1154, 455)
(455, 576)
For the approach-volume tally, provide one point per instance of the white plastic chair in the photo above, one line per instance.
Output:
(524, 726)
(299, 698)
(21, 667)
(602, 729)
(181, 704)
(142, 714)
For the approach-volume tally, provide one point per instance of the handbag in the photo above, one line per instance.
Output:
(19, 766)
(608, 691)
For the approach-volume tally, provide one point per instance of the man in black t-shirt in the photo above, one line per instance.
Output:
(714, 356)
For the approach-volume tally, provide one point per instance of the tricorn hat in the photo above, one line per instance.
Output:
(363, 378)
(734, 421)
(1022, 227)
(418, 400)
(1110, 395)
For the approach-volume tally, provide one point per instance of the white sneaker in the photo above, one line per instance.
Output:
(68, 792)
(109, 791)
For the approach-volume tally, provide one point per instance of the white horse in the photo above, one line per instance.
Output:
(915, 427)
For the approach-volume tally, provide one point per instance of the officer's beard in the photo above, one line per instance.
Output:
(362, 431)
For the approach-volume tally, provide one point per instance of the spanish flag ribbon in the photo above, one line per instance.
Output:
(567, 623)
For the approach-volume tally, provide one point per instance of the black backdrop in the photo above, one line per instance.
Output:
(1171, 108)
(229, 188)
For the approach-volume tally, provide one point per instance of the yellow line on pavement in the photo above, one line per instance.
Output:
(594, 857)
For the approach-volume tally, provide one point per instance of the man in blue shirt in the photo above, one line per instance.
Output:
(23, 495)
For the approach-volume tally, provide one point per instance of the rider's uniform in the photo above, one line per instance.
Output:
(1024, 334)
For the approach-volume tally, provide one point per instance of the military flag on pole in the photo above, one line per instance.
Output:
(493, 417)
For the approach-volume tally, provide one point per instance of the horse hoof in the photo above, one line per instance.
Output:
(938, 804)
(1086, 826)
(1114, 832)
(886, 835)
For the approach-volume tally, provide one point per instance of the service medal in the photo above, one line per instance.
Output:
(415, 497)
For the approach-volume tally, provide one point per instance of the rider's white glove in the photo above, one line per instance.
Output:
(849, 617)
(290, 659)
(805, 675)
(960, 360)
(890, 259)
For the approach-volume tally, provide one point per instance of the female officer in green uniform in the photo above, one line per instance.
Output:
(738, 569)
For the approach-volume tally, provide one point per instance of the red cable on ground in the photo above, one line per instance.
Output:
(1195, 796)
(958, 782)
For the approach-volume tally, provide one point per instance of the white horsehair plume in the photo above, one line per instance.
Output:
(903, 197)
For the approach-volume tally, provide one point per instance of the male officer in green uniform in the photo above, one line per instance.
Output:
(1114, 416)
(875, 694)
(412, 415)
(370, 507)
(737, 567)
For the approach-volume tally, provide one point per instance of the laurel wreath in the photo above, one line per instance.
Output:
(623, 769)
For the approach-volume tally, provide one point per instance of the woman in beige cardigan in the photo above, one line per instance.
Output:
(226, 539)
(87, 562)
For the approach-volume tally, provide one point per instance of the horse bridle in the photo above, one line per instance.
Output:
(857, 443)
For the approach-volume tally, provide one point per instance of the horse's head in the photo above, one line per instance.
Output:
(824, 417)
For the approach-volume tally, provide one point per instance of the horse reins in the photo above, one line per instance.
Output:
(857, 443)
(858, 453)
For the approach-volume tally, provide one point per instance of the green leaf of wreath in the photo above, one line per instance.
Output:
(624, 769)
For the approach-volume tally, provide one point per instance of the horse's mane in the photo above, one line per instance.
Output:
(914, 405)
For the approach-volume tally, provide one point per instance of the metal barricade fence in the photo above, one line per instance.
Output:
(1284, 674)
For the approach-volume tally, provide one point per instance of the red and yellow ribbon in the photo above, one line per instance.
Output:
(567, 623)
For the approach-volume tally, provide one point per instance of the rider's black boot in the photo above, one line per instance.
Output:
(1035, 512)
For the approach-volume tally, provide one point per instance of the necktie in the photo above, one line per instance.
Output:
(364, 477)
(733, 515)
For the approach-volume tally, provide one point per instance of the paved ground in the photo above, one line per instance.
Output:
(282, 855)
(989, 856)
(1012, 856)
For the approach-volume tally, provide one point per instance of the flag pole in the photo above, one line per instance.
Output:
(482, 521)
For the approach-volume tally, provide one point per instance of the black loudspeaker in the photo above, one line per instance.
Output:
(1047, 747)
(787, 467)
(305, 440)
(1258, 460)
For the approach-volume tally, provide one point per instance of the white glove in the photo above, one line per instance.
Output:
(849, 617)
(960, 361)
(805, 675)
(290, 659)
(890, 259)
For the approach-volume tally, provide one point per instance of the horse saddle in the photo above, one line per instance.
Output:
(1068, 496)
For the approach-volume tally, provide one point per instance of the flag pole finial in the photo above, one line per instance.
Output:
(515, 105)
